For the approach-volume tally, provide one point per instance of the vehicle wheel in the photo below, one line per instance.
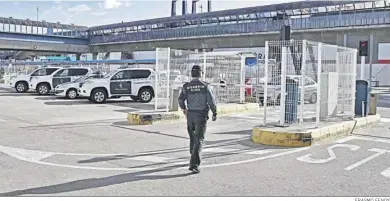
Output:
(21, 87)
(99, 96)
(71, 94)
(313, 98)
(43, 89)
(134, 98)
(145, 95)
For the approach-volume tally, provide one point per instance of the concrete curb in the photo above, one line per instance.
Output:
(148, 118)
(278, 137)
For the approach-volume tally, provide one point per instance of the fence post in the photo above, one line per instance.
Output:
(156, 81)
(168, 78)
(242, 80)
(338, 75)
(303, 73)
(354, 63)
(319, 71)
(204, 65)
(265, 95)
(283, 87)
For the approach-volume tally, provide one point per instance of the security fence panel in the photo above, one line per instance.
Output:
(162, 79)
(224, 73)
(310, 83)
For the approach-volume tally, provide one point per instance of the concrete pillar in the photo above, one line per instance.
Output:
(78, 56)
(94, 56)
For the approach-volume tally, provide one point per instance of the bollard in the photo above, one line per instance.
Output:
(373, 104)
(174, 100)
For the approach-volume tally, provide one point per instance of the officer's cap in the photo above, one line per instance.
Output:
(196, 68)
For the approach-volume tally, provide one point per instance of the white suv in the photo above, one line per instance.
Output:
(21, 83)
(69, 90)
(138, 83)
(44, 84)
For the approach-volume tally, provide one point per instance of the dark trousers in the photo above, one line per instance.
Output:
(196, 126)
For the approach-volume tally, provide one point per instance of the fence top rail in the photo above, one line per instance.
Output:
(126, 61)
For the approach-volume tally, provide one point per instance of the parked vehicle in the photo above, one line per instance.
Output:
(21, 83)
(274, 90)
(46, 83)
(138, 83)
(70, 90)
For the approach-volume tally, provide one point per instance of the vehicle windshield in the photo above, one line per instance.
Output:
(110, 74)
(83, 78)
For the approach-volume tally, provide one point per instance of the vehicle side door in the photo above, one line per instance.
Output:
(61, 77)
(76, 73)
(139, 79)
(120, 83)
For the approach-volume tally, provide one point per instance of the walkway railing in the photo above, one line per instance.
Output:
(318, 22)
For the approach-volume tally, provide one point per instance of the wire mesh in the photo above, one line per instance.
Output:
(224, 74)
(309, 82)
(223, 71)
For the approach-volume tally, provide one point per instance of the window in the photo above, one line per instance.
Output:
(122, 75)
(309, 82)
(44, 71)
(50, 71)
(140, 74)
(62, 73)
(78, 72)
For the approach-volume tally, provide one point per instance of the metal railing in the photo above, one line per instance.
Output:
(317, 22)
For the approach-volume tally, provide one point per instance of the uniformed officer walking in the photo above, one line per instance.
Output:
(200, 99)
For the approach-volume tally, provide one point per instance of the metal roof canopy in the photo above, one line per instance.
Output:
(226, 13)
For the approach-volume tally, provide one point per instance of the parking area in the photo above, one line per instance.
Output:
(54, 146)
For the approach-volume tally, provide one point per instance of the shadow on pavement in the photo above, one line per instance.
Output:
(92, 183)
(50, 97)
(241, 132)
(15, 94)
(172, 150)
(149, 132)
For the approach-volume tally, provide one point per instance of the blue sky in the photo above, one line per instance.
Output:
(91, 13)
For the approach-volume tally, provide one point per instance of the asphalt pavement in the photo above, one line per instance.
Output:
(57, 147)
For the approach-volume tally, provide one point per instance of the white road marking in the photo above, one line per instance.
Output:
(386, 173)
(379, 152)
(307, 158)
(1, 120)
(363, 138)
(385, 120)
(256, 159)
(346, 139)
(238, 151)
(220, 150)
(29, 157)
(373, 139)
(155, 159)
(25, 154)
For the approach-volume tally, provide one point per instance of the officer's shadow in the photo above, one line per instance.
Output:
(99, 182)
